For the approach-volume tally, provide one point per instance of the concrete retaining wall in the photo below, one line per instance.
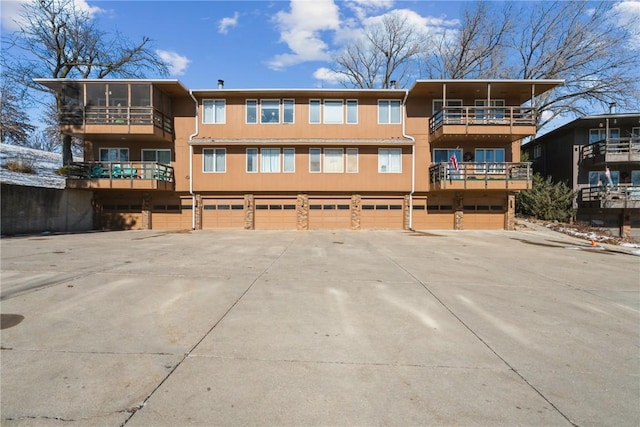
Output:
(36, 210)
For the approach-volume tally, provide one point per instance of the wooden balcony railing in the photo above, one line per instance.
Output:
(474, 175)
(82, 116)
(612, 150)
(482, 116)
(619, 196)
(135, 175)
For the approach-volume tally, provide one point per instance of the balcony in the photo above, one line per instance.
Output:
(125, 121)
(612, 150)
(120, 175)
(489, 123)
(623, 196)
(480, 176)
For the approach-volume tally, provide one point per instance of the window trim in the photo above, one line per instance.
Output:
(346, 158)
(114, 148)
(215, 121)
(324, 159)
(293, 110)
(324, 111)
(279, 166)
(214, 150)
(156, 151)
(279, 121)
(346, 119)
(319, 159)
(292, 150)
(246, 111)
(380, 157)
(318, 103)
(246, 163)
(389, 102)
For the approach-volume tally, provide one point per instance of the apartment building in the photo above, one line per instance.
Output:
(599, 158)
(444, 154)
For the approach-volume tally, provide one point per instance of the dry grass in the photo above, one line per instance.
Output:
(20, 166)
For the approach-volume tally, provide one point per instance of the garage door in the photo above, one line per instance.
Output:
(483, 215)
(121, 215)
(329, 213)
(275, 213)
(381, 214)
(432, 217)
(222, 213)
(172, 214)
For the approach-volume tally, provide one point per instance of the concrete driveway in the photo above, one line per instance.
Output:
(344, 328)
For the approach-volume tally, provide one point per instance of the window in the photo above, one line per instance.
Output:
(214, 111)
(333, 111)
(438, 104)
(114, 154)
(314, 111)
(251, 111)
(158, 156)
(490, 113)
(635, 178)
(288, 111)
(442, 155)
(537, 151)
(599, 179)
(352, 160)
(270, 111)
(252, 160)
(390, 160)
(314, 160)
(214, 160)
(389, 112)
(352, 111)
(270, 160)
(494, 159)
(597, 135)
(289, 160)
(333, 160)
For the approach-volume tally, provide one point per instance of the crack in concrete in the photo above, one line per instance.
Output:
(113, 353)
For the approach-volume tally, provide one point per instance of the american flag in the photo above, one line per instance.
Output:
(454, 162)
(607, 173)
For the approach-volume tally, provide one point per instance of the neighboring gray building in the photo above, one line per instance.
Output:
(599, 157)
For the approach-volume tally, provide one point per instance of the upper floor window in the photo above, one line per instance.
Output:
(537, 151)
(333, 160)
(493, 157)
(315, 165)
(213, 111)
(114, 154)
(214, 160)
(332, 111)
(635, 132)
(438, 104)
(270, 160)
(251, 108)
(288, 111)
(252, 160)
(269, 111)
(158, 156)
(352, 111)
(389, 111)
(600, 134)
(314, 111)
(352, 160)
(389, 160)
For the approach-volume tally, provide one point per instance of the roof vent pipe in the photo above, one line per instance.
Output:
(612, 108)
(393, 84)
(220, 84)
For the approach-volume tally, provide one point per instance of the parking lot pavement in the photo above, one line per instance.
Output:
(324, 328)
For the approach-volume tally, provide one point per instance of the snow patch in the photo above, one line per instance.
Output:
(44, 163)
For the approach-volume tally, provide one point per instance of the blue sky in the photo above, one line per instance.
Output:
(251, 44)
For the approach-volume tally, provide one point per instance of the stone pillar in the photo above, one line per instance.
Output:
(198, 213)
(356, 208)
(302, 212)
(249, 212)
(407, 212)
(458, 214)
(146, 212)
(510, 214)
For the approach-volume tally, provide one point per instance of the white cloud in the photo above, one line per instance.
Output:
(225, 23)
(11, 11)
(627, 14)
(301, 30)
(327, 76)
(177, 63)
(363, 8)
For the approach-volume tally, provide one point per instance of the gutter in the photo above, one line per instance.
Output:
(193, 196)
(413, 159)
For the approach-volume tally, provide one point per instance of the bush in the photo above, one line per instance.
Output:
(21, 166)
(546, 200)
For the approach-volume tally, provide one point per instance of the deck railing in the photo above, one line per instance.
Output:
(479, 116)
(480, 171)
(119, 171)
(618, 149)
(82, 116)
(619, 196)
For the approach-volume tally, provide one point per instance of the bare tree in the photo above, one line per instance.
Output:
(15, 127)
(58, 39)
(384, 53)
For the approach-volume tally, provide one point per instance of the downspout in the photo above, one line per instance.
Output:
(193, 196)
(413, 159)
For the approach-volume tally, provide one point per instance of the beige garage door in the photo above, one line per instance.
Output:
(275, 214)
(381, 214)
(329, 213)
(432, 217)
(121, 215)
(222, 213)
(483, 214)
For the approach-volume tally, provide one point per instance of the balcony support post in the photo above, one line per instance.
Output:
(510, 214)
(146, 211)
(458, 214)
